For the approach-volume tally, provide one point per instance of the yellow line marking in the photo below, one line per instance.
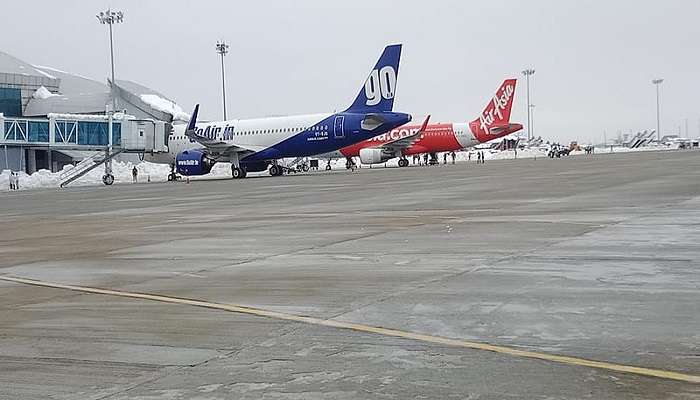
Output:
(371, 329)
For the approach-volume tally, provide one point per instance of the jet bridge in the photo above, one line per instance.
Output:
(106, 135)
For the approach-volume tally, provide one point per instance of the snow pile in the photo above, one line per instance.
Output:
(510, 154)
(165, 106)
(43, 93)
(147, 171)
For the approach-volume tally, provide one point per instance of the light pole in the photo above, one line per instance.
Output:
(527, 74)
(658, 82)
(110, 18)
(222, 49)
(532, 119)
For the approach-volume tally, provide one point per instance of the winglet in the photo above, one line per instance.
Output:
(425, 124)
(193, 119)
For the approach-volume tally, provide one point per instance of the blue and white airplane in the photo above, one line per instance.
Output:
(251, 145)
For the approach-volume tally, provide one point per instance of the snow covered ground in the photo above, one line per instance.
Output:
(151, 172)
(121, 170)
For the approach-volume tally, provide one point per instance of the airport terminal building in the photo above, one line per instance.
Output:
(50, 118)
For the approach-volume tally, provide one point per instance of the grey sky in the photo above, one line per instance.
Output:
(594, 59)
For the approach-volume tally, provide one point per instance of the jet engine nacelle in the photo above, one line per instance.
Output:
(375, 156)
(193, 162)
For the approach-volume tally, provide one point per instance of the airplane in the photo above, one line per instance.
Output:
(251, 145)
(493, 123)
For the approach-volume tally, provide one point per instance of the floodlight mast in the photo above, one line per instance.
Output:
(527, 74)
(657, 82)
(222, 49)
(110, 18)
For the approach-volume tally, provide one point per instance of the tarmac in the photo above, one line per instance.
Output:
(570, 278)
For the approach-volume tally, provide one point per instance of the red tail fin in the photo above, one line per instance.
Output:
(496, 113)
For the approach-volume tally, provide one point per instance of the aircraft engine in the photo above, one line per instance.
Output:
(193, 162)
(375, 156)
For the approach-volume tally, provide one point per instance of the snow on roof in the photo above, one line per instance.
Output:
(165, 106)
(12, 65)
(91, 117)
(43, 93)
(44, 68)
(46, 74)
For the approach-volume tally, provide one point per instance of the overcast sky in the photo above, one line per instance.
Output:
(594, 60)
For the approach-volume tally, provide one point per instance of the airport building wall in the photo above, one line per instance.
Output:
(32, 137)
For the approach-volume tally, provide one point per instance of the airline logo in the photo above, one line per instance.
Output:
(494, 111)
(215, 132)
(187, 163)
(380, 85)
(395, 134)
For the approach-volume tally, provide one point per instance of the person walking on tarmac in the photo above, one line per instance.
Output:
(454, 157)
(135, 174)
(425, 158)
(444, 158)
(13, 181)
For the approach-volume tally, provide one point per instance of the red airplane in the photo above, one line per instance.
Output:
(409, 140)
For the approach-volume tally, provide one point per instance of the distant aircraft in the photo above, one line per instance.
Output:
(251, 145)
(493, 123)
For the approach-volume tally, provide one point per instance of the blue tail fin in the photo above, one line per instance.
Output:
(377, 94)
(193, 119)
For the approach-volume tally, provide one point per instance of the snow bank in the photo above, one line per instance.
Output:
(43, 93)
(165, 106)
(121, 171)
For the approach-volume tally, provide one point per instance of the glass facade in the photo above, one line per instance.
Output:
(91, 133)
(38, 131)
(66, 132)
(96, 133)
(9, 135)
(11, 102)
(116, 134)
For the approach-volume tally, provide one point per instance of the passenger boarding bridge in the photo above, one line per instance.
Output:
(34, 138)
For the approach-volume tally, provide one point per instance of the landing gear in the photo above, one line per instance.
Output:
(108, 179)
(237, 172)
(328, 166)
(276, 170)
(403, 162)
(172, 176)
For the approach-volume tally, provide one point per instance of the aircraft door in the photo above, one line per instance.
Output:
(338, 131)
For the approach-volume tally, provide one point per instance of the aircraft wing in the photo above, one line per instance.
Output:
(407, 141)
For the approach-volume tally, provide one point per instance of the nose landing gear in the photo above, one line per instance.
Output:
(237, 172)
